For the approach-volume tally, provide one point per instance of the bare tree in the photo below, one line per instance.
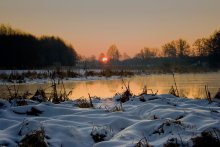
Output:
(177, 48)
(146, 53)
(200, 47)
(113, 53)
(183, 48)
(169, 49)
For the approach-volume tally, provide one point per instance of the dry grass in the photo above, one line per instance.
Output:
(173, 91)
(143, 143)
(117, 108)
(40, 96)
(109, 73)
(16, 77)
(208, 94)
(83, 103)
(55, 96)
(145, 91)
(125, 96)
(160, 129)
(34, 139)
(15, 97)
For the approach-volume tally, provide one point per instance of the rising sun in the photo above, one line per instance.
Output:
(104, 60)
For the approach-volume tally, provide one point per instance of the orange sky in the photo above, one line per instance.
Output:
(91, 26)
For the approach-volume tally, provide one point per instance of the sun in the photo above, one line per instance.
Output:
(105, 59)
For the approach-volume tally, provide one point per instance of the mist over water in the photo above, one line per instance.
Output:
(189, 85)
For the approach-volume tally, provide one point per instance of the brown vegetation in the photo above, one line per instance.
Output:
(143, 143)
(207, 138)
(125, 96)
(83, 103)
(34, 139)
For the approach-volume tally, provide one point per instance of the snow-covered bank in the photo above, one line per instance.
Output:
(159, 120)
(44, 76)
(65, 80)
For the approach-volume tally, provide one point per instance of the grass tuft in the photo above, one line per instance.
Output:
(143, 143)
(35, 139)
(83, 103)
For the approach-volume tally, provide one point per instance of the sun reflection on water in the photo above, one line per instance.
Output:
(189, 85)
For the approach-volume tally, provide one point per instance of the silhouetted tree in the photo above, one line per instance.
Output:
(201, 47)
(169, 49)
(214, 46)
(182, 48)
(113, 53)
(177, 48)
(146, 53)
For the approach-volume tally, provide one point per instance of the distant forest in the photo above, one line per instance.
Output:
(174, 56)
(20, 50)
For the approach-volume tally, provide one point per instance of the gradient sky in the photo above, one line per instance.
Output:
(91, 26)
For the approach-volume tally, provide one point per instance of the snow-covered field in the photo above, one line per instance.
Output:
(160, 119)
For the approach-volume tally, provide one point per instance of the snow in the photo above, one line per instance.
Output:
(47, 80)
(158, 119)
(65, 80)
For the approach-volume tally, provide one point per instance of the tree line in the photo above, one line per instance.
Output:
(23, 50)
(203, 52)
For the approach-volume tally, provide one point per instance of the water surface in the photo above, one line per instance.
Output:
(191, 85)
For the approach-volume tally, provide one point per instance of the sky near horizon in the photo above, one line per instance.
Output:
(91, 26)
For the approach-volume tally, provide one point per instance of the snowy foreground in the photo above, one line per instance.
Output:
(160, 120)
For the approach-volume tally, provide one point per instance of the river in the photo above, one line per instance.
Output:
(190, 85)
